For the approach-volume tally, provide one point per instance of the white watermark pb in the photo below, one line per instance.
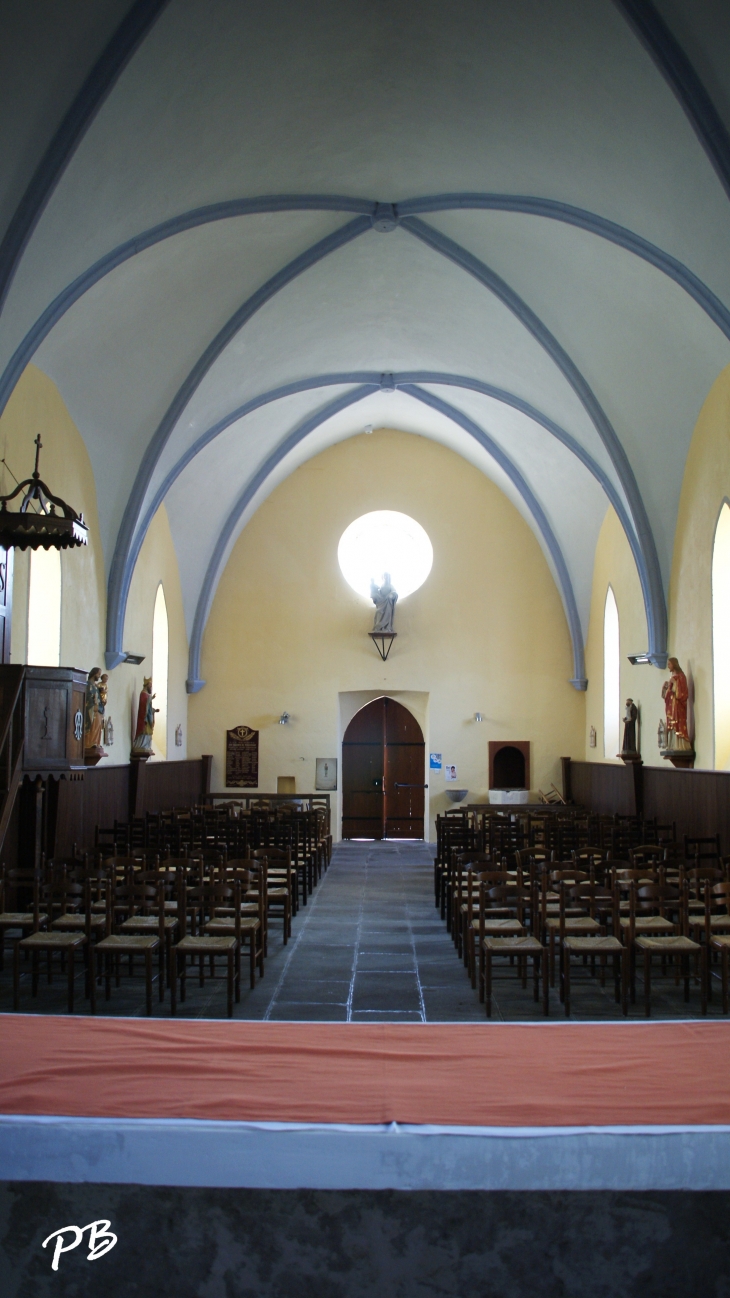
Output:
(101, 1240)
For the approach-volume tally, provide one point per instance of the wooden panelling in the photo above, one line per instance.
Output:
(603, 788)
(163, 785)
(698, 801)
(80, 801)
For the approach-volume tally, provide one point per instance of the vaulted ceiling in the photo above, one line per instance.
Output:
(237, 233)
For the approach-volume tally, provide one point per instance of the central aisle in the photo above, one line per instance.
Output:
(370, 946)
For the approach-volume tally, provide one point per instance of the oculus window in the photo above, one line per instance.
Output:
(385, 541)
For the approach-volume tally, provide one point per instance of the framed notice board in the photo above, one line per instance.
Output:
(242, 758)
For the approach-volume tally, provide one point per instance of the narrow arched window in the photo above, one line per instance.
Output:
(721, 638)
(44, 609)
(160, 658)
(611, 677)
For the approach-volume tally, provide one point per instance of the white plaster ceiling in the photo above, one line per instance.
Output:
(373, 102)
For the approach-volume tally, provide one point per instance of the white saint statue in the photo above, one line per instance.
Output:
(385, 599)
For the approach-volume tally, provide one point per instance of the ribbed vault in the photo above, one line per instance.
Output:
(248, 231)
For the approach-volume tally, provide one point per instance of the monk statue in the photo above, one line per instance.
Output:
(385, 599)
(142, 742)
(93, 719)
(631, 715)
(675, 693)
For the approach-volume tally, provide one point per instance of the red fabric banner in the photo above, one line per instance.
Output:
(504, 1075)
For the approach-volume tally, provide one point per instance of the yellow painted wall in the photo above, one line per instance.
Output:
(485, 633)
(37, 406)
(614, 564)
(157, 563)
(705, 486)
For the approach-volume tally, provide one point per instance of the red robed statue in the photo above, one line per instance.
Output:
(675, 693)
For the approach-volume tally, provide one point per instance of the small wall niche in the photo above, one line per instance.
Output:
(509, 763)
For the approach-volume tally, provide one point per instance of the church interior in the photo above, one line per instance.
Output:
(365, 648)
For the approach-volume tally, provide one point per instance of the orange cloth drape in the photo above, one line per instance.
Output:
(512, 1075)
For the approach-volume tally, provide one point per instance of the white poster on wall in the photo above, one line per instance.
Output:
(449, 772)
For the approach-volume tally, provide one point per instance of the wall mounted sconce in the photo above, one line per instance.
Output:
(478, 716)
(135, 659)
(284, 719)
(637, 659)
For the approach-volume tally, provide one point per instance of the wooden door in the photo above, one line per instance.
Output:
(383, 764)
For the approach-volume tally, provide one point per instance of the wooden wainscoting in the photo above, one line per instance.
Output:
(697, 801)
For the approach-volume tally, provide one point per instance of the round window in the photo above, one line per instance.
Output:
(385, 542)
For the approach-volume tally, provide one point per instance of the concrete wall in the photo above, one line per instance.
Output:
(485, 633)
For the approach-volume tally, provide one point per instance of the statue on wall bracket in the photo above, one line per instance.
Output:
(94, 717)
(385, 598)
(629, 747)
(678, 748)
(142, 742)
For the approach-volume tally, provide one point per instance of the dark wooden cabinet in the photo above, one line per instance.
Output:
(54, 719)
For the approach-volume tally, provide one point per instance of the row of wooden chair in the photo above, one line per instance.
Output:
(205, 906)
(617, 910)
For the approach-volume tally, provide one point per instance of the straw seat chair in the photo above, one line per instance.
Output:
(597, 948)
(66, 944)
(111, 948)
(681, 949)
(24, 921)
(523, 947)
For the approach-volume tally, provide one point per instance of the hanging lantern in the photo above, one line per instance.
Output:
(43, 521)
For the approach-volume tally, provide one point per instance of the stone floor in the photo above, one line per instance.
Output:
(369, 947)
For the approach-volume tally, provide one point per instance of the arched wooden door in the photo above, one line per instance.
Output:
(383, 766)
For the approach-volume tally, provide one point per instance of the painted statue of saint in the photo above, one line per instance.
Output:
(628, 747)
(385, 599)
(142, 743)
(675, 693)
(94, 712)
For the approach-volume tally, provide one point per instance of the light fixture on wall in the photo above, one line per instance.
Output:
(135, 659)
(43, 521)
(638, 659)
(478, 716)
(284, 719)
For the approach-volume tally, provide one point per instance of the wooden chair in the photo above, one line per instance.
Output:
(148, 917)
(592, 945)
(203, 899)
(66, 945)
(522, 947)
(11, 919)
(254, 907)
(720, 945)
(500, 916)
(570, 920)
(673, 945)
(279, 876)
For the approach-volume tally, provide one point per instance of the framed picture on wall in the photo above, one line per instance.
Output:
(326, 774)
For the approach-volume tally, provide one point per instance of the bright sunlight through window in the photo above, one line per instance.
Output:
(381, 542)
(611, 677)
(44, 609)
(160, 659)
(721, 638)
